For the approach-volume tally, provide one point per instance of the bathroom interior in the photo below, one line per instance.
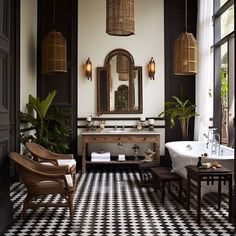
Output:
(121, 115)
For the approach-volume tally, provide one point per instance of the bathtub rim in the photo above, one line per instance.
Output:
(170, 146)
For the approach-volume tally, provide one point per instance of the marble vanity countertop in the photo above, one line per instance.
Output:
(119, 132)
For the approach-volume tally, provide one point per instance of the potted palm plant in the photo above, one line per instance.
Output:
(182, 110)
(50, 124)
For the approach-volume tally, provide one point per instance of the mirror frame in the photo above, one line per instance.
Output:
(103, 86)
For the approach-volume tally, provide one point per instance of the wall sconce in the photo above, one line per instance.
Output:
(88, 69)
(151, 69)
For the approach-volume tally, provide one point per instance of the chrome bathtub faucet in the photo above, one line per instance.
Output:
(213, 138)
(189, 147)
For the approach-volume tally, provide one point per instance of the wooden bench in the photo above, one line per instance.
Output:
(161, 176)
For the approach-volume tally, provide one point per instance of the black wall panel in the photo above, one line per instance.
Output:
(64, 83)
(174, 25)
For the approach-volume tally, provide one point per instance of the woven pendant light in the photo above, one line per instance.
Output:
(54, 51)
(122, 64)
(120, 17)
(185, 52)
(123, 76)
(122, 67)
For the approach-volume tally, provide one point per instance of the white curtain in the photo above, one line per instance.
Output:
(204, 77)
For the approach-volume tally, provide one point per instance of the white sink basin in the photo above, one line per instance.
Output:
(115, 131)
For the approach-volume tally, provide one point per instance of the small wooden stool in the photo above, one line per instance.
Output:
(162, 175)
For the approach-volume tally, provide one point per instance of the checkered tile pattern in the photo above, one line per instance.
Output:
(111, 202)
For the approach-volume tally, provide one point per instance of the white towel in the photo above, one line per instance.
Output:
(95, 156)
(121, 157)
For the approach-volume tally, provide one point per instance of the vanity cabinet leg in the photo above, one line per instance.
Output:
(155, 147)
(84, 158)
(188, 192)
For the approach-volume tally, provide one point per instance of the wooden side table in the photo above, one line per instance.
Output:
(208, 175)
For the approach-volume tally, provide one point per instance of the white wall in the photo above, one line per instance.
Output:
(147, 42)
(28, 50)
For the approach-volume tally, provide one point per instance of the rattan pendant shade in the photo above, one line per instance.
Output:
(120, 17)
(122, 67)
(54, 53)
(122, 64)
(185, 54)
(123, 76)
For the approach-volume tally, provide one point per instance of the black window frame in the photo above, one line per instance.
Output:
(217, 43)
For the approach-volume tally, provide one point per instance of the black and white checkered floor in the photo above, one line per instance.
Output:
(110, 202)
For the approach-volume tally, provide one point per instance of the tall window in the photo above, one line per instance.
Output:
(224, 71)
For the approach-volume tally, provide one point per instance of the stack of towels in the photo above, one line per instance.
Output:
(98, 156)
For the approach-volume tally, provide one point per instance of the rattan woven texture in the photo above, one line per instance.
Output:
(185, 54)
(54, 53)
(120, 17)
(122, 64)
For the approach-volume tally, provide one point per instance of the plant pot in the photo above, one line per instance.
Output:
(184, 129)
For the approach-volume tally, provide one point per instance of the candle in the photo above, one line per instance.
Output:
(142, 118)
(151, 121)
(89, 118)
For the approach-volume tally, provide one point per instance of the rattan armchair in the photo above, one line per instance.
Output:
(46, 156)
(41, 180)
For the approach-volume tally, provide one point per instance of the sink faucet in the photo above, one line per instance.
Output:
(123, 127)
(213, 138)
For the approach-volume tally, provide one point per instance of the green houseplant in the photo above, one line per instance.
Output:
(50, 124)
(182, 110)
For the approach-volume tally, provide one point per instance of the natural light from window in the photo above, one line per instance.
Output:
(222, 2)
(227, 22)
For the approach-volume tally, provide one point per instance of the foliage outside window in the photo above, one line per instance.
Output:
(224, 106)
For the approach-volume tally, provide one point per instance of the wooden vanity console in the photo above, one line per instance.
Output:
(122, 137)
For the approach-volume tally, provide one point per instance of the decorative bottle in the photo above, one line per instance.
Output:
(199, 164)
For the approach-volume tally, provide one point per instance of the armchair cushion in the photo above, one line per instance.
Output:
(67, 162)
(69, 180)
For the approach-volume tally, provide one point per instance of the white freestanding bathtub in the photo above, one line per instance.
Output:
(184, 153)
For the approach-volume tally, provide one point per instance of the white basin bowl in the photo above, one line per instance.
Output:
(115, 131)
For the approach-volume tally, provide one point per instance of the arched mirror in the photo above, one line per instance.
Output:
(119, 84)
